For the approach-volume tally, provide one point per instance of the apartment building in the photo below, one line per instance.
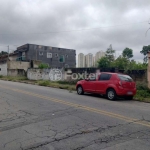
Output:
(54, 56)
(98, 55)
(89, 60)
(81, 60)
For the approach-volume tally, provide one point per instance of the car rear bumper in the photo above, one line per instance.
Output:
(126, 92)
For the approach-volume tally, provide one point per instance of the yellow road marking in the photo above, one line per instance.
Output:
(110, 114)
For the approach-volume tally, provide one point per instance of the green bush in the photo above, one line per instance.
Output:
(141, 95)
(142, 86)
(1, 76)
(43, 66)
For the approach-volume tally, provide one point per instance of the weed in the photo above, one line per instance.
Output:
(44, 83)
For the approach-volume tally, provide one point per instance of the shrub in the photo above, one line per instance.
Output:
(142, 86)
(142, 95)
(1, 76)
(43, 66)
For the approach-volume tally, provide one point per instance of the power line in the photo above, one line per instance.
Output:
(78, 30)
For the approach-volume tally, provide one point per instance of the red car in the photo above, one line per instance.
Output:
(109, 84)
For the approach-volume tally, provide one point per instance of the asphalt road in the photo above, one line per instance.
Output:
(41, 118)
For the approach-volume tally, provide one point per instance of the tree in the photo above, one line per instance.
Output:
(121, 63)
(110, 54)
(137, 65)
(103, 62)
(127, 53)
(3, 53)
(144, 51)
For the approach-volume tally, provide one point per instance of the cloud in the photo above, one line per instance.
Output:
(118, 22)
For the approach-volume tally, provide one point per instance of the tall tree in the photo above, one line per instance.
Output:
(121, 62)
(127, 53)
(103, 62)
(110, 54)
(3, 53)
(144, 51)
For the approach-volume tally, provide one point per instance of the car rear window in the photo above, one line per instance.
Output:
(125, 78)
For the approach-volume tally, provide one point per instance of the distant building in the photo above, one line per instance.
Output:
(89, 60)
(9, 66)
(54, 56)
(94, 61)
(99, 55)
(81, 60)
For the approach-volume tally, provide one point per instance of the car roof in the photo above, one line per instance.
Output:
(109, 72)
(116, 73)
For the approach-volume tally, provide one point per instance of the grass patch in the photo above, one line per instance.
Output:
(56, 84)
(14, 78)
(67, 82)
(44, 83)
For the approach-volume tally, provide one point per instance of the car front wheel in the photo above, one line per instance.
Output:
(80, 90)
(111, 94)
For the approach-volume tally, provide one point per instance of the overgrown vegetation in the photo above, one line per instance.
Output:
(15, 78)
(124, 61)
(57, 84)
(43, 66)
(143, 92)
(3, 53)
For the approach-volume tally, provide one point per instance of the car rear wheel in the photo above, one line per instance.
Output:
(80, 90)
(129, 98)
(111, 94)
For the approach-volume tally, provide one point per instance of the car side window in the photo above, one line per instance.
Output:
(104, 76)
(92, 77)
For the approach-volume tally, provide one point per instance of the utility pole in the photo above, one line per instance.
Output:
(36, 53)
(8, 51)
(147, 30)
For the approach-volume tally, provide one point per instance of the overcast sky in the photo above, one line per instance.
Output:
(122, 23)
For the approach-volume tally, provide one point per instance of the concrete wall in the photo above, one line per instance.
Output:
(35, 63)
(16, 72)
(13, 57)
(41, 74)
(38, 74)
(18, 65)
(74, 74)
(3, 68)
